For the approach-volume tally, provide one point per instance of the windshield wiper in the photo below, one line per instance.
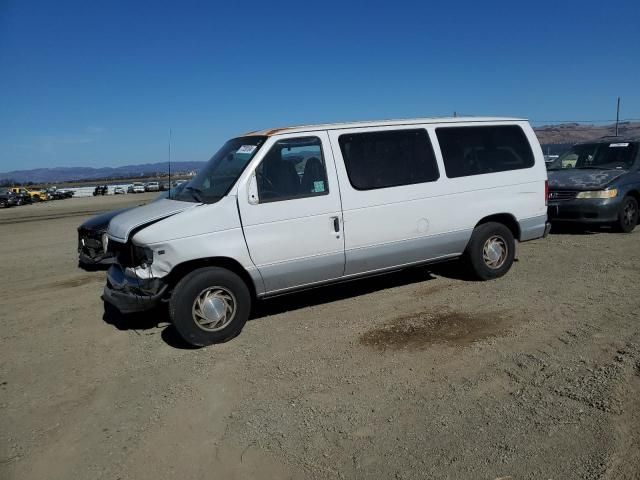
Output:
(195, 193)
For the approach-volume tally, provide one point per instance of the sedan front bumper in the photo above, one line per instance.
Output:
(584, 210)
(129, 293)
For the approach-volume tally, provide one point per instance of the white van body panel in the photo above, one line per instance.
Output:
(387, 227)
(204, 231)
(293, 242)
(126, 222)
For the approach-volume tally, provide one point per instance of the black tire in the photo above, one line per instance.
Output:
(4, 204)
(183, 304)
(474, 255)
(627, 216)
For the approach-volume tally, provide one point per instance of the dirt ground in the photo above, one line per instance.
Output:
(417, 374)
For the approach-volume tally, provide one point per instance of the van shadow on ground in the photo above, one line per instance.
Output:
(145, 322)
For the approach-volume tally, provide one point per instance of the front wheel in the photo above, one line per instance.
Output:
(490, 251)
(210, 305)
(627, 216)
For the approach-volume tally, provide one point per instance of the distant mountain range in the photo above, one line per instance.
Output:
(69, 174)
(553, 138)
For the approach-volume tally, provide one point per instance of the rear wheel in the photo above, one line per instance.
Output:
(4, 203)
(628, 215)
(210, 305)
(490, 251)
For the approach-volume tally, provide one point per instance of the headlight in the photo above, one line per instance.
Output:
(599, 194)
(143, 256)
(105, 242)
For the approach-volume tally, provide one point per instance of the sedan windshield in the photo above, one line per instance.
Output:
(221, 172)
(605, 156)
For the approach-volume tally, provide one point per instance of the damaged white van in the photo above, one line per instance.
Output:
(276, 211)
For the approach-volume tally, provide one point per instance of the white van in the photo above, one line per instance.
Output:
(286, 209)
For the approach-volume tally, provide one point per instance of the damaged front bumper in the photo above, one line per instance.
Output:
(129, 293)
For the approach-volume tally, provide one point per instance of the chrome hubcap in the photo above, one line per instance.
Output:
(494, 252)
(214, 308)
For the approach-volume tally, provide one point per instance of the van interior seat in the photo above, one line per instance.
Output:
(282, 176)
(313, 172)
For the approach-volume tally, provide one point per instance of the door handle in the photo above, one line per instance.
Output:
(336, 224)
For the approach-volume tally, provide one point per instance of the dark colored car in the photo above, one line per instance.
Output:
(93, 240)
(56, 194)
(23, 198)
(8, 199)
(100, 190)
(597, 183)
(92, 235)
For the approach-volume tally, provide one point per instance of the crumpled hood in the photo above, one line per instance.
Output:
(101, 221)
(122, 225)
(577, 179)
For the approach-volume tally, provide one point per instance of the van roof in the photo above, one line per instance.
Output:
(379, 123)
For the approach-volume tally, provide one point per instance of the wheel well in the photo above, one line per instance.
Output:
(635, 194)
(179, 271)
(507, 220)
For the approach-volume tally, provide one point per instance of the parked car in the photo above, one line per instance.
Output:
(66, 192)
(597, 183)
(152, 187)
(92, 236)
(35, 195)
(7, 198)
(21, 198)
(137, 187)
(55, 194)
(100, 190)
(288, 209)
(165, 186)
(93, 241)
(119, 191)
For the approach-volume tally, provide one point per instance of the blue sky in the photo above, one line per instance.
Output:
(100, 83)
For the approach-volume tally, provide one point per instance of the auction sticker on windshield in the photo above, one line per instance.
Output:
(614, 145)
(246, 149)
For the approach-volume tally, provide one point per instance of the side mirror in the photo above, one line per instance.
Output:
(252, 190)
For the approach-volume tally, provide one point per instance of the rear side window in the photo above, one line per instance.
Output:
(388, 158)
(476, 150)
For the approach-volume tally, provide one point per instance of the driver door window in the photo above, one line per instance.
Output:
(293, 168)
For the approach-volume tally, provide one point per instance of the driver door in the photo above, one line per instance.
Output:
(291, 213)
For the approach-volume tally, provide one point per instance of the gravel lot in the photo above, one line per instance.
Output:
(417, 374)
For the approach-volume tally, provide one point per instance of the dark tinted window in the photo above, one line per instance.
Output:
(477, 150)
(293, 168)
(388, 158)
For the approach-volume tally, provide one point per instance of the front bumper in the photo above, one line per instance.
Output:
(129, 293)
(584, 210)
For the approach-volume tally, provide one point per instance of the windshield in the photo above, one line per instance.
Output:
(221, 172)
(614, 155)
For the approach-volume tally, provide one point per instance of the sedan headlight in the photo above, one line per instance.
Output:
(611, 193)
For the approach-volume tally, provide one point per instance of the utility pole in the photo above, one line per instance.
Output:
(169, 164)
(617, 116)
